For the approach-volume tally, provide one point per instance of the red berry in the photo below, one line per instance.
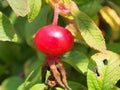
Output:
(53, 40)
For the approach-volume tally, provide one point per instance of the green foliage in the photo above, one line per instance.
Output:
(31, 28)
(90, 7)
(20, 7)
(12, 83)
(6, 29)
(79, 61)
(103, 71)
(35, 6)
(38, 87)
(92, 64)
(76, 86)
(89, 31)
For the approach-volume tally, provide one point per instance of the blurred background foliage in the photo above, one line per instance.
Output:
(20, 62)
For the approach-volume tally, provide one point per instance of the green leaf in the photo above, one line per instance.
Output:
(22, 86)
(89, 31)
(3, 4)
(32, 71)
(2, 70)
(104, 71)
(33, 75)
(35, 6)
(116, 88)
(117, 2)
(58, 88)
(19, 26)
(20, 7)
(73, 85)
(11, 83)
(80, 47)
(5, 53)
(6, 29)
(76, 86)
(40, 21)
(77, 59)
(91, 8)
(115, 47)
(38, 87)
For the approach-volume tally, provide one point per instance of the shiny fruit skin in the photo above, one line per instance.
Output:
(53, 40)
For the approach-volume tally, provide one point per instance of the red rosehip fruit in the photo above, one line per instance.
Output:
(53, 40)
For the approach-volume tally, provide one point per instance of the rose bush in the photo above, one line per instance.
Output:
(92, 63)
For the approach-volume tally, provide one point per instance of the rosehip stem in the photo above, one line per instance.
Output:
(55, 19)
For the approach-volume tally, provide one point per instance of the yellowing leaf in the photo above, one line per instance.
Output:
(103, 71)
(35, 6)
(20, 7)
(89, 30)
(111, 17)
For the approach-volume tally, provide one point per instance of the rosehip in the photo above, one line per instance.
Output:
(53, 40)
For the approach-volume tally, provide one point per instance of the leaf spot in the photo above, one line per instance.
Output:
(105, 61)
(97, 73)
